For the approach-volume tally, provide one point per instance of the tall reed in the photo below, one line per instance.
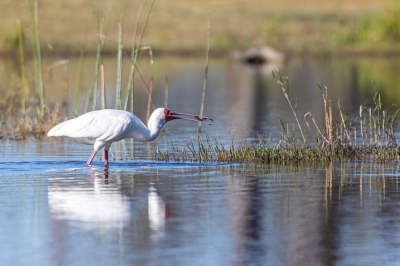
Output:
(135, 50)
(129, 87)
(166, 93)
(80, 71)
(150, 97)
(119, 64)
(103, 88)
(203, 96)
(22, 67)
(37, 54)
(99, 60)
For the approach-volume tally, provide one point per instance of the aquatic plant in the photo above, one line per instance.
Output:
(119, 65)
(134, 56)
(80, 71)
(37, 58)
(371, 139)
(22, 68)
(203, 96)
(98, 63)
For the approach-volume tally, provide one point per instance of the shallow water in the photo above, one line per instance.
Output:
(57, 211)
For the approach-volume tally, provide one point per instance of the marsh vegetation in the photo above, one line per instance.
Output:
(365, 133)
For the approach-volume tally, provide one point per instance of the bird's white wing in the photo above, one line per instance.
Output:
(105, 125)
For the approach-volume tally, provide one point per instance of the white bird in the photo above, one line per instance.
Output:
(103, 127)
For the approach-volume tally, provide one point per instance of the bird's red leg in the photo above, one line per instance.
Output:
(91, 158)
(105, 158)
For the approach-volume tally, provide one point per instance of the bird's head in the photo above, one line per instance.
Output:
(163, 115)
(170, 115)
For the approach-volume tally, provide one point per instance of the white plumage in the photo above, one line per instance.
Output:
(102, 128)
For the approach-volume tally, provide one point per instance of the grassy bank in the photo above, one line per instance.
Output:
(180, 27)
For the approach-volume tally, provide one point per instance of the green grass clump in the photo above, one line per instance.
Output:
(368, 136)
(263, 151)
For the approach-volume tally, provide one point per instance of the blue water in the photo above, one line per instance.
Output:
(46, 165)
(54, 210)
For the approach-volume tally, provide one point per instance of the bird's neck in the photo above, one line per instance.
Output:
(140, 132)
(154, 130)
(143, 133)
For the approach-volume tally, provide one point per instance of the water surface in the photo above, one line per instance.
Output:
(56, 211)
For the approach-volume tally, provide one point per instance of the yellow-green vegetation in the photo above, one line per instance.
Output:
(369, 136)
(370, 29)
(180, 26)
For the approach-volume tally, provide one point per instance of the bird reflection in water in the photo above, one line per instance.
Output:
(158, 213)
(100, 174)
(98, 203)
(94, 205)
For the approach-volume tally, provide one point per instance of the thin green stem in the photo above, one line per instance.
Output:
(119, 65)
(99, 59)
(37, 53)
(80, 70)
(135, 52)
(22, 67)
(205, 72)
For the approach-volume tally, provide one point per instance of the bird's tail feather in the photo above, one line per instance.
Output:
(56, 131)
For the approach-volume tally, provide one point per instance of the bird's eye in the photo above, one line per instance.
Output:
(168, 115)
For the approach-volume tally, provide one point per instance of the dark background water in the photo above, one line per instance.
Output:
(239, 97)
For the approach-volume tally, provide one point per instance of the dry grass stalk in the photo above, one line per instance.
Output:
(283, 83)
